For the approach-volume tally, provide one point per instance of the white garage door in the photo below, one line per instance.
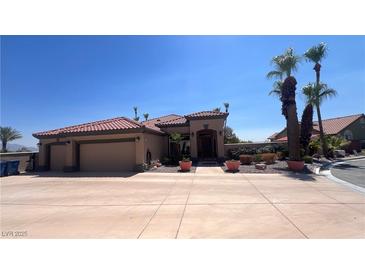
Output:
(116, 156)
(58, 156)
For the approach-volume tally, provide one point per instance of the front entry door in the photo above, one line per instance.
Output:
(207, 144)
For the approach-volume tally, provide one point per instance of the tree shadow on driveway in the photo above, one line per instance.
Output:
(53, 174)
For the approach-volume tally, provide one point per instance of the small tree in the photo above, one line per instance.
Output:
(136, 117)
(306, 127)
(226, 106)
(8, 134)
(145, 115)
(230, 137)
(176, 138)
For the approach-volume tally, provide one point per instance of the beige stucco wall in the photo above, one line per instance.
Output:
(22, 157)
(215, 124)
(156, 144)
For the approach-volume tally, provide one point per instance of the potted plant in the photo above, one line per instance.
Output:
(185, 164)
(232, 165)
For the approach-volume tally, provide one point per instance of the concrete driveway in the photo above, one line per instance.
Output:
(162, 205)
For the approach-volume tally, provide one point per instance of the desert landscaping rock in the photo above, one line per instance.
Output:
(260, 166)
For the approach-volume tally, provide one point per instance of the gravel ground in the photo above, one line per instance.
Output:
(280, 167)
(171, 169)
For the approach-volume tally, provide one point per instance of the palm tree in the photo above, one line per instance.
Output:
(318, 93)
(8, 134)
(315, 95)
(226, 106)
(285, 65)
(136, 118)
(216, 109)
(145, 115)
(316, 54)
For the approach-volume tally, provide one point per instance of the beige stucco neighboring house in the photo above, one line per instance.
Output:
(122, 144)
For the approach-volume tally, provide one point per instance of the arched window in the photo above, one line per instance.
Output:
(348, 134)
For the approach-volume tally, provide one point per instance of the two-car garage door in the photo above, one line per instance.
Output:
(112, 156)
(97, 156)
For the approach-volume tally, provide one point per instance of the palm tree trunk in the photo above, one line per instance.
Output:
(321, 132)
(289, 110)
(293, 133)
(3, 146)
(317, 69)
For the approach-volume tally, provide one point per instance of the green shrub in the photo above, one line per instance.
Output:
(257, 158)
(314, 146)
(308, 159)
(266, 149)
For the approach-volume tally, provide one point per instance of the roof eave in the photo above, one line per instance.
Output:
(222, 116)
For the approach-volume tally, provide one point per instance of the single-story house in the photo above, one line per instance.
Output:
(122, 144)
(350, 127)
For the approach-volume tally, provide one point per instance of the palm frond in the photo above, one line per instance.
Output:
(326, 93)
(275, 74)
(310, 93)
(316, 53)
(276, 88)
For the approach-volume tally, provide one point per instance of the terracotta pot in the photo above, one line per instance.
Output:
(185, 165)
(246, 159)
(232, 165)
(295, 165)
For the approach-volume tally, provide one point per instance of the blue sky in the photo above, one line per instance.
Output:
(55, 81)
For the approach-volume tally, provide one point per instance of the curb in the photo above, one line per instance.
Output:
(329, 175)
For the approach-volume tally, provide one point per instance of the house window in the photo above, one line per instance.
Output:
(348, 134)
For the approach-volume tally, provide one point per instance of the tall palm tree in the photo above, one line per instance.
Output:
(136, 118)
(226, 106)
(145, 115)
(315, 55)
(8, 134)
(284, 66)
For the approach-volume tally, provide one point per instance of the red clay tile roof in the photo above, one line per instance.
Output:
(336, 125)
(114, 124)
(178, 121)
(331, 126)
(206, 114)
(152, 123)
(273, 136)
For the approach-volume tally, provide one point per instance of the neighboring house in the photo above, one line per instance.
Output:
(350, 127)
(122, 144)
